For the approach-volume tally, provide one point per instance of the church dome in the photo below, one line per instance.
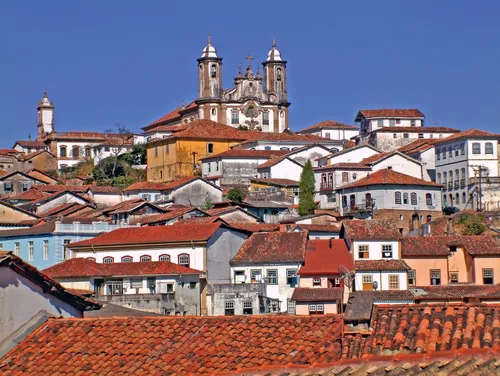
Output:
(274, 54)
(209, 50)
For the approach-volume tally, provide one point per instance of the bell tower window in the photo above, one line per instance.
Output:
(278, 74)
(213, 70)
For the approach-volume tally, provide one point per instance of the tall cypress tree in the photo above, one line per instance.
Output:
(306, 186)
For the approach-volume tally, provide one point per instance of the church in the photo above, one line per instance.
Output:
(257, 101)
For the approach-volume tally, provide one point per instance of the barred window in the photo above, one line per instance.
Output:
(247, 304)
(488, 148)
(145, 258)
(108, 260)
(413, 198)
(488, 276)
(291, 277)
(387, 250)
(164, 258)
(411, 277)
(291, 307)
(405, 198)
(363, 251)
(397, 198)
(136, 283)
(272, 276)
(184, 260)
(393, 282)
(229, 305)
(367, 278)
(127, 259)
(435, 277)
(476, 148)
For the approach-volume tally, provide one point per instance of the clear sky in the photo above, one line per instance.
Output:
(130, 62)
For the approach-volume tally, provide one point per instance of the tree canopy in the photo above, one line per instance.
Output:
(306, 187)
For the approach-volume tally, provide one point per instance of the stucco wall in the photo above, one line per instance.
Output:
(195, 194)
(303, 308)
(423, 267)
(486, 262)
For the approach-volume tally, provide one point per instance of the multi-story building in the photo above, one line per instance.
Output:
(467, 165)
(332, 129)
(389, 129)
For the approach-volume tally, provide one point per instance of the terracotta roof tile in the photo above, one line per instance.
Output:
(438, 245)
(131, 205)
(320, 227)
(278, 182)
(199, 220)
(153, 235)
(375, 265)
(371, 229)
(304, 294)
(272, 247)
(392, 112)
(30, 144)
(344, 166)
(52, 188)
(390, 177)
(173, 115)
(248, 153)
(470, 133)
(324, 257)
(174, 345)
(256, 227)
(8, 151)
(273, 161)
(330, 124)
(417, 130)
(29, 195)
(145, 185)
(82, 267)
(165, 217)
(420, 144)
(456, 292)
(103, 189)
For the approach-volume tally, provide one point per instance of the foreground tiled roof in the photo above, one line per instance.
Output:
(426, 328)
(103, 189)
(418, 145)
(248, 153)
(158, 218)
(325, 257)
(375, 229)
(278, 182)
(438, 245)
(173, 345)
(82, 267)
(392, 112)
(303, 294)
(272, 247)
(330, 124)
(470, 133)
(390, 177)
(31, 194)
(152, 235)
(376, 265)
(456, 292)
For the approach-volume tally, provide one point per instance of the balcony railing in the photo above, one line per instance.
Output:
(462, 182)
(485, 180)
(456, 184)
(96, 227)
(361, 208)
(450, 185)
(325, 186)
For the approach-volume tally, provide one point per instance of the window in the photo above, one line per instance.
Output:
(210, 148)
(488, 148)
(363, 251)
(265, 118)
(255, 275)
(284, 148)
(66, 249)
(428, 199)
(127, 259)
(88, 152)
(420, 135)
(345, 177)
(272, 276)
(91, 258)
(75, 151)
(406, 135)
(229, 308)
(146, 197)
(456, 150)
(184, 260)
(213, 70)
(476, 148)
(214, 111)
(17, 248)
(7, 187)
(464, 198)
(136, 283)
(444, 153)
(380, 123)
(439, 178)
(192, 285)
(398, 121)
(151, 284)
(166, 149)
(445, 177)
(438, 154)
(317, 282)
(156, 151)
(145, 258)
(62, 151)
(397, 198)
(411, 277)
(327, 135)
(453, 277)
(267, 148)
(387, 250)
(488, 276)
(278, 74)
(45, 249)
(291, 277)
(392, 123)
(164, 258)
(316, 309)
(450, 151)
(115, 287)
(170, 287)
(413, 197)
(31, 251)
(235, 117)
(435, 277)
(413, 123)
(26, 186)
(108, 260)
(394, 135)
(393, 282)
(247, 307)
(462, 149)
(291, 307)
(405, 198)
(312, 309)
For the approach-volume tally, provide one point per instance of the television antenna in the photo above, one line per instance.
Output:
(347, 275)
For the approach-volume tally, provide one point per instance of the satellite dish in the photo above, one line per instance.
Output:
(347, 275)
(375, 285)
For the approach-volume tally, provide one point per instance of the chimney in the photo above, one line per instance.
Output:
(330, 243)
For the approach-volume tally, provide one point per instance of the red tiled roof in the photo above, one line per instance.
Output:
(156, 218)
(456, 292)
(51, 188)
(330, 124)
(31, 194)
(30, 144)
(145, 185)
(174, 345)
(173, 115)
(248, 153)
(371, 229)
(425, 246)
(3, 173)
(57, 209)
(8, 151)
(417, 130)
(103, 189)
(256, 227)
(34, 154)
(77, 136)
(272, 247)
(131, 205)
(152, 235)
(470, 133)
(324, 257)
(272, 162)
(199, 220)
(304, 294)
(320, 228)
(343, 166)
(375, 158)
(278, 182)
(82, 267)
(390, 177)
(423, 328)
(376, 265)
(420, 144)
(391, 112)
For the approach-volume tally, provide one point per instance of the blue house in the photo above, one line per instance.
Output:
(43, 245)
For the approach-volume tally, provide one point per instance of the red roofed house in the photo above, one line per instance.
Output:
(464, 162)
(389, 129)
(387, 194)
(16, 182)
(104, 195)
(207, 247)
(322, 289)
(156, 286)
(275, 258)
(332, 129)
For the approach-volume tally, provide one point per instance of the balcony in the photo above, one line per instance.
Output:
(326, 186)
(462, 182)
(361, 208)
(450, 185)
(456, 184)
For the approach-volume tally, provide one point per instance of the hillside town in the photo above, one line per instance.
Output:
(217, 240)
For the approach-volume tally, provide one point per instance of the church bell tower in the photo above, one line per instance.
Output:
(45, 117)
(209, 73)
(275, 74)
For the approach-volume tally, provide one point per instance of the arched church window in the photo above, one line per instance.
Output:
(214, 70)
(214, 111)
(265, 118)
(278, 74)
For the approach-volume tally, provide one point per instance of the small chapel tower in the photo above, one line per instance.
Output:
(209, 73)
(45, 116)
(275, 74)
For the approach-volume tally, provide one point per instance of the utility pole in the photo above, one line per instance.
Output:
(478, 172)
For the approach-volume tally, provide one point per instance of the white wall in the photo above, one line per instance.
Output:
(338, 134)
(382, 278)
(375, 249)
(400, 164)
(64, 199)
(102, 199)
(286, 169)
(386, 122)
(354, 156)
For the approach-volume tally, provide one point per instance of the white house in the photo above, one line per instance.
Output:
(310, 152)
(280, 168)
(463, 160)
(423, 150)
(395, 161)
(374, 245)
(332, 130)
(104, 195)
(290, 143)
(272, 257)
(352, 155)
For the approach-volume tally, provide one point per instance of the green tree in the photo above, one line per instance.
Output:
(306, 186)
(137, 156)
(208, 204)
(235, 194)
(472, 224)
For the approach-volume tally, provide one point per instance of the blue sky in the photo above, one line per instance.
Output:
(108, 62)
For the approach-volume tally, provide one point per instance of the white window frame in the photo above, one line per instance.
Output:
(45, 249)
(31, 250)
(388, 249)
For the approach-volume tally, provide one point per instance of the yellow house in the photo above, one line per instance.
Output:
(290, 187)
